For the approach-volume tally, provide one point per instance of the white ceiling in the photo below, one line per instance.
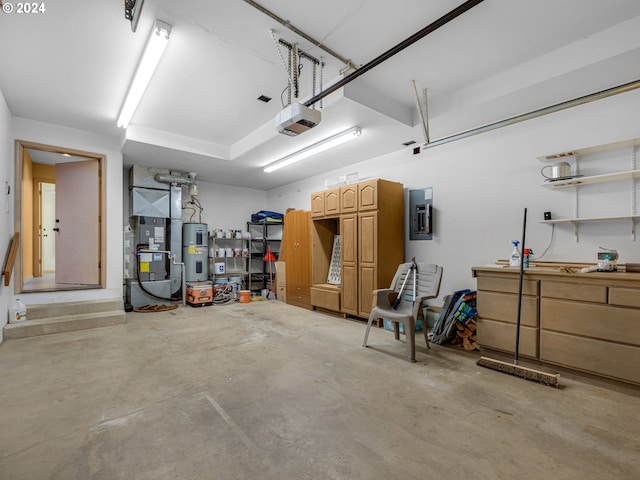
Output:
(72, 64)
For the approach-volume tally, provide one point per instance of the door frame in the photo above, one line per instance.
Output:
(20, 146)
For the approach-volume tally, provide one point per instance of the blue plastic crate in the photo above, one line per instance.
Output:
(388, 325)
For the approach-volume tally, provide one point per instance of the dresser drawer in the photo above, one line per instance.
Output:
(604, 322)
(626, 297)
(508, 285)
(591, 355)
(504, 307)
(502, 336)
(574, 291)
(298, 295)
(325, 298)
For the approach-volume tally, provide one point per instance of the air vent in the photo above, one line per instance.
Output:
(264, 98)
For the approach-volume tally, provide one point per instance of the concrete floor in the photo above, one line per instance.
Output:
(269, 391)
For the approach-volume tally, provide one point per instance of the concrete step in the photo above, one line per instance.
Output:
(51, 310)
(65, 323)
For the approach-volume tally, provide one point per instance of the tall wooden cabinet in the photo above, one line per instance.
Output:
(349, 267)
(297, 254)
(369, 219)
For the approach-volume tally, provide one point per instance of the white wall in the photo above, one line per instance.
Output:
(225, 206)
(50, 134)
(6, 205)
(482, 184)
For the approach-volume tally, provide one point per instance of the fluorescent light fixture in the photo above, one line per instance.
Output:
(321, 146)
(153, 51)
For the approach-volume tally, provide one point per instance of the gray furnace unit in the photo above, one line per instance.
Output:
(195, 252)
(151, 235)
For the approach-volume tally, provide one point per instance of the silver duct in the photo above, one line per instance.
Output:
(190, 179)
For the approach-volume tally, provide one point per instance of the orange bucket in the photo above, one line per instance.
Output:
(244, 296)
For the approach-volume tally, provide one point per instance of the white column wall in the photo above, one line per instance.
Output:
(6, 205)
(482, 184)
(49, 134)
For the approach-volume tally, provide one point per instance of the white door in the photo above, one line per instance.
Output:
(47, 223)
(77, 223)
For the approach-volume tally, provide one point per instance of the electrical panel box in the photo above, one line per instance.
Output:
(421, 214)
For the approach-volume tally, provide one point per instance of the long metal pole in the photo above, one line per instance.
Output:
(456, 12)
(592, 97)
(519, 313)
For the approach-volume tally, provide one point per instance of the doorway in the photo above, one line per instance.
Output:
(46, 253)
(59, 210)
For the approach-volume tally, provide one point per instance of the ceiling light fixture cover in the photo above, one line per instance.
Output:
(153, 51)
(321, 146)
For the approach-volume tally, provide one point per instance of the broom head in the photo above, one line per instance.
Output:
(551, 379)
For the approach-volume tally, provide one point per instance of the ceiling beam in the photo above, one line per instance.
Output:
(456, 12)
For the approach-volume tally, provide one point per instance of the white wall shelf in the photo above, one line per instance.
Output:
(577, 221)
(579, 180)
(607, 177)
(590, 219)
(557, 157)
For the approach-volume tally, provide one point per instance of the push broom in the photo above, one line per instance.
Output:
(551, 379)
(270, 257)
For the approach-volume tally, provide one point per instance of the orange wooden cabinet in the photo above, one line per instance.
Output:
(371, 228)
(317, 204)
(368, 195)
(349, 198)
(325, 203)
(296, 246)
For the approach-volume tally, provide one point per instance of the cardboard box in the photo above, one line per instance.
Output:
(281, 281)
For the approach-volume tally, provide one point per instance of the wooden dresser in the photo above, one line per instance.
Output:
(583, 321)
